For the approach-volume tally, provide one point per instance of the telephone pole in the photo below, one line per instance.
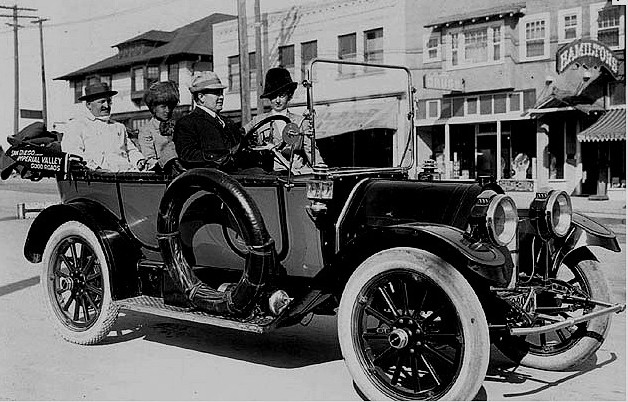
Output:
(245, 84)
(15, 25)
(259, 68)
(44, 103)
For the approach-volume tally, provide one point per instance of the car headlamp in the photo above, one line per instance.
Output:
(495, 216)
(551, 211)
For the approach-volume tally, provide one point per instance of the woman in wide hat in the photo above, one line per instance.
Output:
(279, 90)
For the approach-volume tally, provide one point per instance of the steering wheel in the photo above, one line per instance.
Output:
(291, 135)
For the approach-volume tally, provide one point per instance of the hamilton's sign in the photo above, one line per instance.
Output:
(589, 53)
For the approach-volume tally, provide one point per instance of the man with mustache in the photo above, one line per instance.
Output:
(101, 142)
(204, 138)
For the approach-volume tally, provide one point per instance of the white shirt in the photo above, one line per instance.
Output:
(102, 143)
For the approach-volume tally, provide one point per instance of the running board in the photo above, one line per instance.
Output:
(616, 308)
(156, 306)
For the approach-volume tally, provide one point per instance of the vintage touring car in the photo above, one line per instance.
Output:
(423, 275)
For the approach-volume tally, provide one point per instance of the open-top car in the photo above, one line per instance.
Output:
(423, 275)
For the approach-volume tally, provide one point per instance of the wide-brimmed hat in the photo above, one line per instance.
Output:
(278, 80)
(97, 90)
(205, 80)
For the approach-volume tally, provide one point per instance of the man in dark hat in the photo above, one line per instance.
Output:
(279, 90)
(204, 138)
(101, 142)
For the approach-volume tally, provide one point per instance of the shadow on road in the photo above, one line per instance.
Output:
(291, 347)
(19, 285)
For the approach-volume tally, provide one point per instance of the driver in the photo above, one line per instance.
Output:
(279, 89)
(204, 138)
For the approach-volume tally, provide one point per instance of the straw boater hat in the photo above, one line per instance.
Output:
(278, 80)
(205, 80)
(97, 90)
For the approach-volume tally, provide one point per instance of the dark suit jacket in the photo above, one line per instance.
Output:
(201, 141)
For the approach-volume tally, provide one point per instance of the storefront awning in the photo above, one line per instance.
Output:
(339, 118)
(610, 127)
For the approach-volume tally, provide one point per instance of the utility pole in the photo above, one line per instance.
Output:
(245, 84)
(259, 68)
(44, 104)
(15, 25)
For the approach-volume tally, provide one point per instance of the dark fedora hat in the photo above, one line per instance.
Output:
(97, 90)
(278, 80)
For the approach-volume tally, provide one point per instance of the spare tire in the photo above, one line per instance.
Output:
(261, 256)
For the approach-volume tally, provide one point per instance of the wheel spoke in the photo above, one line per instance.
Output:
(93, 289)
(387, 353)
(419, 306)
(388, 301)
(431, 370)
(415, 373)
(89, 263)
(370, 310)
(67, 304)
(85, 309)
(397, 372)
(76, 309)
(93, 276)
(72, 248)
(67, 263)
(452, 340)
(90, 301)
(433, 315)
(374, 336)
(404, 296)
(439, 354)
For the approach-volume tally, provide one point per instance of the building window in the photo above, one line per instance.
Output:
(152, 75)
(607, 24)
(286, 58)
(252, 72)
(137, 79)
(569, 24)
(78, 90)
(514, 101)
(472, 105)
(309, 51)
(617, 93)
(432, 47)
(374, 46)
(535, 37)
(233, 63)
(173, 72)
(347, 50)
(555, 154)
(477, 45)
(432, 109)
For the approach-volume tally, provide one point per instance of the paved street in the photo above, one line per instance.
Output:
(153, 358)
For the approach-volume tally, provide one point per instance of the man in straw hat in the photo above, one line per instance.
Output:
(204, 138)
(100, 141)
(279, 90)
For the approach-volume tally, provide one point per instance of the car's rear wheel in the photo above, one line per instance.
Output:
(76, 286)
(567, 347)
(411, 327)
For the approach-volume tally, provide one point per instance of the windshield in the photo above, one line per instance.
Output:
(362, 114)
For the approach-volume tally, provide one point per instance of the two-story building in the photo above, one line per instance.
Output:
(530, 92)
(146, 58)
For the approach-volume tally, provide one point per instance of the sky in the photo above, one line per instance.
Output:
(81, 32)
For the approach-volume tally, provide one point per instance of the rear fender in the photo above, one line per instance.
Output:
(120, 249)
(475, 260)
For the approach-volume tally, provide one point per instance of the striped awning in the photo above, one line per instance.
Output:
(610, 127)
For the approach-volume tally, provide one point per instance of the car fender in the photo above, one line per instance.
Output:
(594, 233)
(120, 248)
(474, 259)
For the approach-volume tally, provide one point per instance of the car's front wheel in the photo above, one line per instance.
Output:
(76, 286)
(411, 327)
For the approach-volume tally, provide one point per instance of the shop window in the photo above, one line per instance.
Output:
(569, 24)
(617, 92)
(514, 100)
(286, 58)
(535, 37)
(462, 157)
(173, 72)
(347, 50)
(477, 45)
(607, 24)
(499, 103)
(432, 109)
(137, 79)
(78, 90)
(374, 46)
(486, 104)
(309, 51)
(233, 67)
(529, 98)
(421, 112)
(458, 107)
(445, 108)
(431, 47)
(472, 105)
